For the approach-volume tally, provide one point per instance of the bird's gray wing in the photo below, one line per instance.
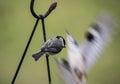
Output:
(53, 49)
(97, 37)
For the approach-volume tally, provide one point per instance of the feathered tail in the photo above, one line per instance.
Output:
(36, 56)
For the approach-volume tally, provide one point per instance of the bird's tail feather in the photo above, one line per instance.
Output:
(36, 56)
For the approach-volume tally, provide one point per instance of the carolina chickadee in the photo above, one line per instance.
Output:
(51, 47)
(81, 57)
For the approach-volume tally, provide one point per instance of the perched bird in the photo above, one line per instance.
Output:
(82, 56)
(51, 47)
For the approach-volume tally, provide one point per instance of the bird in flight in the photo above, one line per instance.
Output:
(81, 57)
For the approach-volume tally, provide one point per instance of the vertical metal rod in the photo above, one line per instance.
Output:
(47, 56)
(24, 53)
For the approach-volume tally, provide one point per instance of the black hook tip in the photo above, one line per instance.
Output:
(53, 6)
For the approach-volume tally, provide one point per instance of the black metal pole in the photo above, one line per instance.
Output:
(47, 56)
(24, 53)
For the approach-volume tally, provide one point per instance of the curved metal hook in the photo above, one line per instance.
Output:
(51, 8)
(32, 9)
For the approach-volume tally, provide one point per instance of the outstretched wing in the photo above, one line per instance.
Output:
(72, 70)
(76, 60)
(97, 37)
(75, 57)
(82, 57)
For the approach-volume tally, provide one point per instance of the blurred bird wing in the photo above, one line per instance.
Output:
(83, 56)
(76, 60)
(66, 67)
(65, 72)
(97, 37)
(74, 56)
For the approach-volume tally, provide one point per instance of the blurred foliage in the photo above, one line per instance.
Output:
(16, 23)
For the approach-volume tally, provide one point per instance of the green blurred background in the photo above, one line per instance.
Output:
(16, 23)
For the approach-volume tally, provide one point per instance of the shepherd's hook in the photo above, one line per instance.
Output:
(38, 17)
